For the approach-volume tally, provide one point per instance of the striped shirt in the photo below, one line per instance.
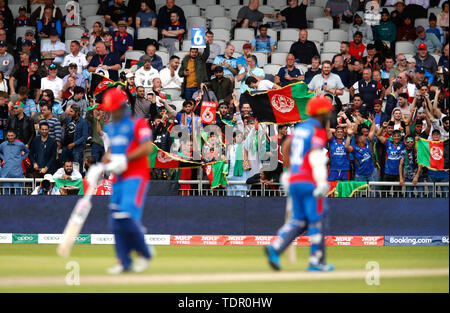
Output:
(55, 131)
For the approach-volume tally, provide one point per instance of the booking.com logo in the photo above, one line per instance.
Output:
(411, 241)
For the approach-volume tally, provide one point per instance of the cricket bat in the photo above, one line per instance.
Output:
(290, 251)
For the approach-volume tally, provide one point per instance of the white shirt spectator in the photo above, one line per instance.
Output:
(55, 85)
(79, 60)
(60, 172)
(145, 78)
(318, 81)
(168, 81)
(49, 46)
(265, 85)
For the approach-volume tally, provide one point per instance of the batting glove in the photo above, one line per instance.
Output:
(321, 190)
(94, 174)
(118, 164)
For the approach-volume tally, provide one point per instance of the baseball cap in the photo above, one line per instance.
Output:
(247, 46)
(422, 46)
(3, 43)
(400, 1)
(420, 29)
(22, 8)
(18, 104)
(47, 56)
(129, 75)
(420, 70)
(35, 60)
(27, 43)
(122, 23)
(85, 35)
(218, 69)
(49, 177)
(53, 32)
(29, 31)
(411, 60)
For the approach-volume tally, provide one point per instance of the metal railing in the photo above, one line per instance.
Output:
(25, 186)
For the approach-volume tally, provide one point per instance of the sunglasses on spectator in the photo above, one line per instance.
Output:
(402, 59)
(52, 66)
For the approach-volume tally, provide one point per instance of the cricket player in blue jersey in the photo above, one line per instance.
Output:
(307, 162)
(127, 158)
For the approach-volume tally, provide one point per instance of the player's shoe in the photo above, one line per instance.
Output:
(321, 268)
(141, 264)
(273, 257)
(116, 269)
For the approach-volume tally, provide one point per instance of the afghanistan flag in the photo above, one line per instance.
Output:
(217, 173)
(99, 83)
(161, 159)
(433, 154)
(79, 183)
(346, 189)
(282, 106)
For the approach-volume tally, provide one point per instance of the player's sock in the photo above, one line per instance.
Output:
(287, 234)
(315, 238)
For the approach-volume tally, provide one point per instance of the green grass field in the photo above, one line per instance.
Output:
(36, 268)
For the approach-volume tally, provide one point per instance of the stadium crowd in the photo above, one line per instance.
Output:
(386, 71)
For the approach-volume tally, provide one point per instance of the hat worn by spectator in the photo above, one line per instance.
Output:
(420, 70)
(47, 56)
(377, 101)
(35, 60)
(29, 31)
(27, 43)
(129, 75)
(218, 69)
(53, 32)
(85, 35)
(422, 46)
(18, 104)
(440, 70)
(385, 11)
(22, 8)
(49, 177)
(247, 46)
(3, 43)
(411, 60)
(122, 23)
(400, 1)
(420, 29)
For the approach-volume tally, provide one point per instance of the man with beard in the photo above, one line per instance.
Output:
(143, 107)
(76, 134)
(67, 172)
(357, 48)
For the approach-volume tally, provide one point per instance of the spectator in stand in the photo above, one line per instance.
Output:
(444, 59)
(155, 59)
(338, 10)
(339, 168)
(75, 135)
(164, 14)
(21, 124)
(399, 14)
(6, 60)
(4, 85)
(341, 71)
(53, 82)
(398, 68)
(439, 176)
(29, 38)
(85, 45)
(55, 130)
(386, 70)
(46, 187)
(21, 63)
(43, 152)
(145, 75)
(107, 63)
(27, 78)
(67, 172)
(122, 41)
(357, 48)
(430, 40)
(360, 26)
(48, 24)
(75, 57)
(47, 59)
(214, 51)
(386, 31)
(172, 33)
(78, 98)
(372, 59)
(97, 33)
(425, 60)
(76, 75)
(347, 59)
(48, 96)
(247, 71)
(242, 60)
(29, 104)
(303, 49)
(193, 70)
(94, 117)
(144, 107)
(220, 85)
(394, 151)
(442, 18)
(227, 62)
(260, 85)
(406, 31)
(146, 17)
(28, 51)
(295, 14)
(249, 16)
(409, 169)
(12, 152)
(38, 14)
(6, 16)
(379, 117)
(263, 42)
(391, 98)
(368, 88)
(3, 38)
(115, 13)
(433, 28)
(22, 19)
(169, 75)
(327, 83)
(403, 105)
(55, 47)
(186, 118)
(289, 74)
(313, 70)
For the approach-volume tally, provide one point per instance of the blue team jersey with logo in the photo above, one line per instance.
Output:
(363, 159)
(393, 156)
(306, 136)
(338, 155)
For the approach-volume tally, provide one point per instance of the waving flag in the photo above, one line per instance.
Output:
(433, 154)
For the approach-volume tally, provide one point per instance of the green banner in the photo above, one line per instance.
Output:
(24, 238)
(83, 239)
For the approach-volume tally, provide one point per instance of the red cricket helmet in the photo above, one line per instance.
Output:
(114, 99)
(319, 105)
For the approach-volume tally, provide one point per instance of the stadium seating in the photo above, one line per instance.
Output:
(205, 3)
(279, 58)
(243, 34)
(89, 10)
(421, 22)
(147, 32)
(221, 22)
(331, 46)
(327, 56)
(345, 98)
(221, 34)
(228, 4)
(323, 23)
(404, 47)
(195, 21)
(133, 55)
(14, 9)
(266, 9)
(271, 69)
(289, 34)
(284, 45)
(320, 3)
(164, 57)
(234, 12)
(337, 35)
(181, 54)
(238, 45)
(213, 11)
(43, 42)
(313, 12)
(191, 10)
(222, 45)
(315, 35)
(90, 20)
(262, 58)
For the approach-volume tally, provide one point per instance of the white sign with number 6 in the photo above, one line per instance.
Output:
(198, 37)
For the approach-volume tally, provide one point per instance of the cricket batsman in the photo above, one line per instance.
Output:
(306, 160)
(127, 159)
